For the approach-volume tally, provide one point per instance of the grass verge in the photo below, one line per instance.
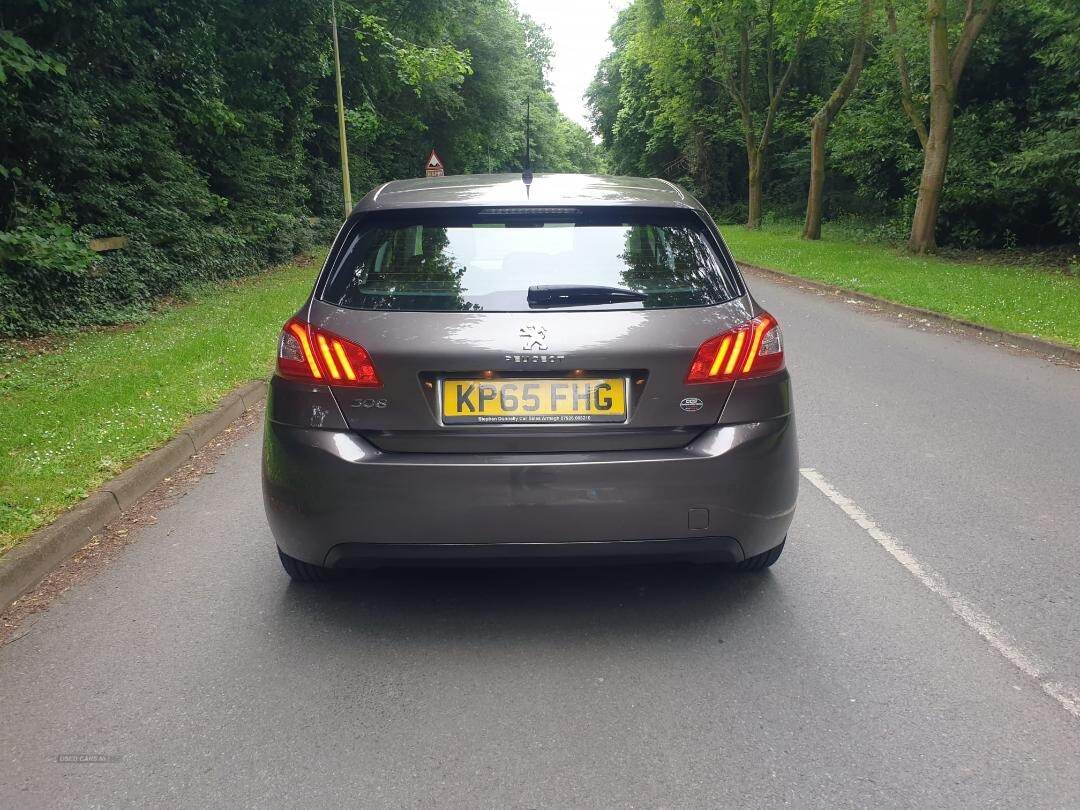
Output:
(1026, 299)
(78, 413)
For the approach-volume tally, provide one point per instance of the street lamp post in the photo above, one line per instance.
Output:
(346, 185)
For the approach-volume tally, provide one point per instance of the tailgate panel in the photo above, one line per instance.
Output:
(414, 351)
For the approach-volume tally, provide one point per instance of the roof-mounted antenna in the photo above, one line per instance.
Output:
(527, 175)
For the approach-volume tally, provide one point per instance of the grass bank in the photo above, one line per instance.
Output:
(1026, 299)
(78, 412)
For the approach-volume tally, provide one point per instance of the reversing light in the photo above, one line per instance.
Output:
(306, 352)
(751, 349)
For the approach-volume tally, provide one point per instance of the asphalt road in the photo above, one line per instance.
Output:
(917, 645)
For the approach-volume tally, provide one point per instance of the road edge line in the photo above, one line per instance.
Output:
(1048, 349)
(26, 565)
(990, 631)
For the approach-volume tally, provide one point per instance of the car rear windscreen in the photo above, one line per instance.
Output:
(488, 259)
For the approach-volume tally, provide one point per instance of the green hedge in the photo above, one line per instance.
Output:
(204, 131)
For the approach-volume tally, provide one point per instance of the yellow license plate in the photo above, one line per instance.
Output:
(525, 401)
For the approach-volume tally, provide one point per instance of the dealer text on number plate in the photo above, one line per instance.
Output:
(525, 401)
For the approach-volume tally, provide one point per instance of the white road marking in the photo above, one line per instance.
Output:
(983, 625)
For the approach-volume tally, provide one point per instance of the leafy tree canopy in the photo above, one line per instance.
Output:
(663, 104)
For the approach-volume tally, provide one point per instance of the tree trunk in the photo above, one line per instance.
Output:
(936, 148)
(699, 163)
(819, 125)
(946, 68)
(737, 83)
(753, 215)
(935, 159)
(818, 130)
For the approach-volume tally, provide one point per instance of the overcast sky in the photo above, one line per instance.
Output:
(579, 29)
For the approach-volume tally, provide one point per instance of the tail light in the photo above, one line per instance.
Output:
(752, 349)
(308, 353)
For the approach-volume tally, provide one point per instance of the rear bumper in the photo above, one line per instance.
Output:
(334, 499)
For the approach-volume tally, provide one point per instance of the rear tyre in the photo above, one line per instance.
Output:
(300, 571)
(759, 562)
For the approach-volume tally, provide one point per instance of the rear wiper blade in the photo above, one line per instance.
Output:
(576, 295)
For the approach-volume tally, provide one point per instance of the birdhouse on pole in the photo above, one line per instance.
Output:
(434, 166)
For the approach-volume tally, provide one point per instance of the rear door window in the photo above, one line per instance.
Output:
(486, 260)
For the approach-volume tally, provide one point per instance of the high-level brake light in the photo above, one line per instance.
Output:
(752, 349)
(308, 353)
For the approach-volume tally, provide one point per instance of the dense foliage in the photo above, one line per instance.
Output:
(205, 131)
(663, 105)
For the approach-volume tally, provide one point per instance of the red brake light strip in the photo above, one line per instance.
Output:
(328, 356)
(736, 353)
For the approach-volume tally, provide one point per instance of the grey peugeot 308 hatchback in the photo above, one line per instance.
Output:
(489, 370)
